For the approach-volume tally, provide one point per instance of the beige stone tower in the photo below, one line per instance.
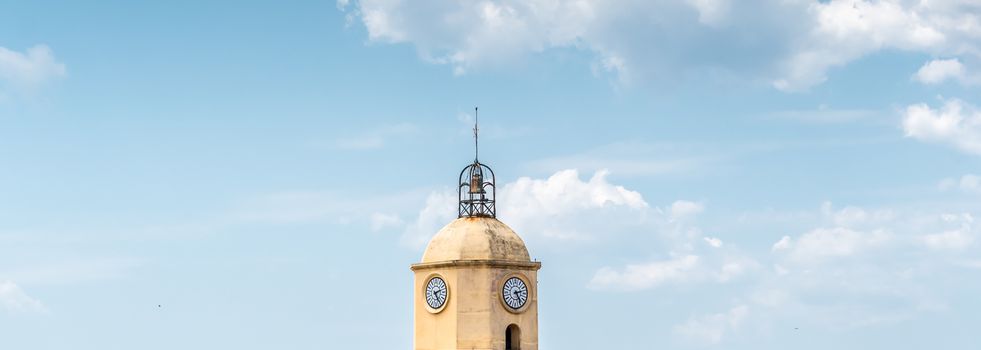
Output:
(476, 287)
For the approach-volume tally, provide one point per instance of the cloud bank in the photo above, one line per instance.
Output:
(790, 44)
(852, 267)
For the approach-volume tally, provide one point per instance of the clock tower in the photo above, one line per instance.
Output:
(476, 287)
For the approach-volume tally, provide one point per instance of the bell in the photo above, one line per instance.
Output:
(476, 184)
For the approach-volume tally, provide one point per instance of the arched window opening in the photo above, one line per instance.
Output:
(512, 338)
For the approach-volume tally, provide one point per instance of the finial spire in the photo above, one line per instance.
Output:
(477, 190)
(476, 150)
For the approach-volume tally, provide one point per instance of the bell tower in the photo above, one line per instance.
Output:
(476, 287)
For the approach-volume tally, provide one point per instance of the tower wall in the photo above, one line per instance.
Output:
(474, 316)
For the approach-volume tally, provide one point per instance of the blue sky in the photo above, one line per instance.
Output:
(693, 174)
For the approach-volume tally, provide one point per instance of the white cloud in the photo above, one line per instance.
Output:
(564, 192)
(822, 244)
(14, 299)
(714, 242)
(860, 267)
(956, 124)
(644, 276)
(968, 183)
(954, 239)
(938, 71)
(957, 238)
(676, 228)
(27, 71)
(851, 216)
(734, 266)
(717, 266)
(793, 44)
(852, 277)
(710, 329)
(971, 183)
(845, 30)
(682, 209)
(539, 205)
(856, 231)
(782, 244)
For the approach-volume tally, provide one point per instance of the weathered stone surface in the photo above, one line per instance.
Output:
(476, 238)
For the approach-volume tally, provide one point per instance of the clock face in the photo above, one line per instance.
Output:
(436, 293)
(515, 293)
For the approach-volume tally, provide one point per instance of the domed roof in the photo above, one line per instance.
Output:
(476, 238)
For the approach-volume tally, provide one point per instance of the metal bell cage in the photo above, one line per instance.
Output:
(477, 196)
